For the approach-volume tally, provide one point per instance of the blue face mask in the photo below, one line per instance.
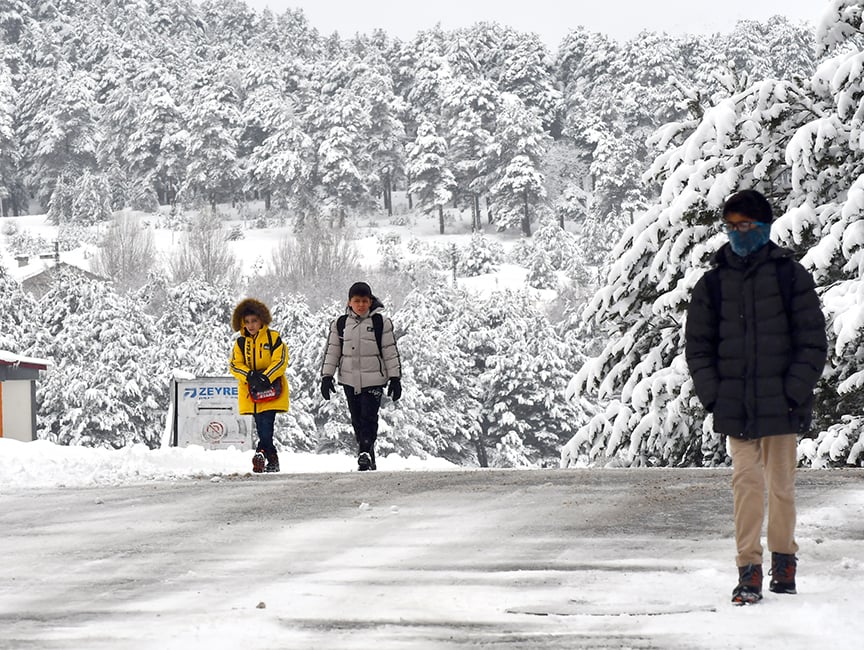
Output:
(747, 243)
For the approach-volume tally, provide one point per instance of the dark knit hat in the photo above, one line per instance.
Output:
(749, 203)
(359, 289)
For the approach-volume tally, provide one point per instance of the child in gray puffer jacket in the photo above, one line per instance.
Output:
(362, 348)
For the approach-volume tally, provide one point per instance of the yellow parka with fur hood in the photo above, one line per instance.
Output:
(264, 352)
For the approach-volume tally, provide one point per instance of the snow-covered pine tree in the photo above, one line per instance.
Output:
(17, 316)
(519, 378)
(520, 142)
(56, 127)
(386, 136)
(649, 414)
(9, 154)
(157, 142)
(437, 414)
(102, 388)
(421, 73)
(91, 200)
(345, 168)
(280, 156)
(194, 321)
(469, 111)
(432, 181)
(212, 173)
(301, 331)
(482, 255)
(526, 71)
(541, 274)
(827, 163)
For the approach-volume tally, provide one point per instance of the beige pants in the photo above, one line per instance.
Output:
(756, 464)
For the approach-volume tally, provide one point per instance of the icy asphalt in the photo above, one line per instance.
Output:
(407, 560)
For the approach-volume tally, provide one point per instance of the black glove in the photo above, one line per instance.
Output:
(327, 387)
(258, 381)
(394, 390)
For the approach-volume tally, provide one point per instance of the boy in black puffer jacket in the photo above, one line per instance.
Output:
(755, 347)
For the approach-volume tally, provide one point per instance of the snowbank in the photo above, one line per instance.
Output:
(42, 464)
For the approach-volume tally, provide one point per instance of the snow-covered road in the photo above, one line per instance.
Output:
(398, 560)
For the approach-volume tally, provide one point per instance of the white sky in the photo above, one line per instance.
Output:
(551, 19)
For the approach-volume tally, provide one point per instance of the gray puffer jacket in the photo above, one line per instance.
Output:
(356, 356)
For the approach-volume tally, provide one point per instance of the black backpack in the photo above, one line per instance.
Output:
(785, 278)
(377, 327)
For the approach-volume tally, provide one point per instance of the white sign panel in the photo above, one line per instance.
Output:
(206, 414)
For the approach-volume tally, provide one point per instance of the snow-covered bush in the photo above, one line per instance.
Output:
(482, 255)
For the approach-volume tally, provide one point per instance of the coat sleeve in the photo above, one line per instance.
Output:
(332, 351)
(809, 340)
(237, 364)
(389, 350)
(278, 358)
(701, 336)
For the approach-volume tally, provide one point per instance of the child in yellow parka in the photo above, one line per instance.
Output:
(259, 360)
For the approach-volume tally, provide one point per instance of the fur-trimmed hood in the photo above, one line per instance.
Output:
(246, 307)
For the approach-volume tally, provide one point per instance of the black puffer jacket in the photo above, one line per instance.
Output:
(753, 366)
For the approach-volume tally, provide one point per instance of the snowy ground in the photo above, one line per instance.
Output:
(131, 554)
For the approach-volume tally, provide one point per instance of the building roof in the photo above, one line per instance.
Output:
(11, 359)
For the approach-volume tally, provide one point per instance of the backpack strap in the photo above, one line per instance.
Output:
(712, 280)
(377, 328)
(786, 279)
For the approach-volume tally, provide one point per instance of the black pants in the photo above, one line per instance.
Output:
(264, 422)
(364, 416)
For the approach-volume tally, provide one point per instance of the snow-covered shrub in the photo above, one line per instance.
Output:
(541, 274)
(26, 243)
(389, 250)
(482, 255)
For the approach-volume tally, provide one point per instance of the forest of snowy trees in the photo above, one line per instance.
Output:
(182, 106)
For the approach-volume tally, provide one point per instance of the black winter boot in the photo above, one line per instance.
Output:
(364, 461)
(258, 462)
(749, 588)
(783, 568)
(272, 462)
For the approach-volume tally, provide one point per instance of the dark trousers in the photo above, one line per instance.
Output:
(264, 427)
(364, 416)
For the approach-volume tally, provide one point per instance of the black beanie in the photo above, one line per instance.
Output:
(749, 203)
(359, 289)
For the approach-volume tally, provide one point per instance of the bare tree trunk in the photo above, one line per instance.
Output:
(482, 458)
(267, 198)
(388, 197)
(441, 219)
(526, 221)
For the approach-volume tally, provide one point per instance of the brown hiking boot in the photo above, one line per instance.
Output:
(258, 462)
(749, 589)
(272, 463)
(783, 568)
